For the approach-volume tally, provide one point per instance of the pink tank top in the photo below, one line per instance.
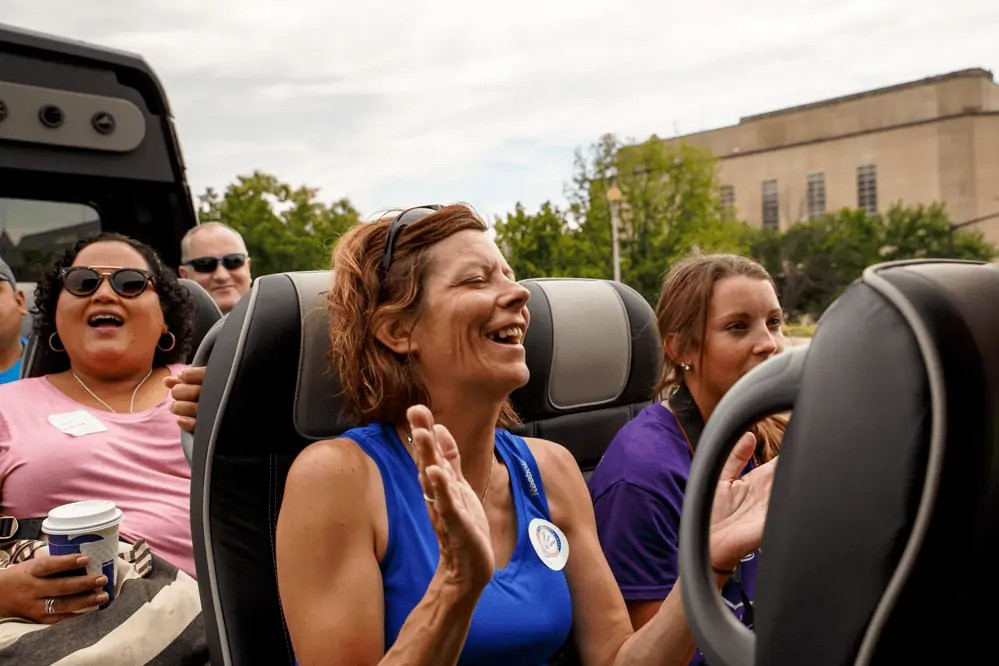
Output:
(137, 463)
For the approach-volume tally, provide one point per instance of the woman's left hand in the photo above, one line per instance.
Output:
(186, 391)
(740, 506)
(456, 512)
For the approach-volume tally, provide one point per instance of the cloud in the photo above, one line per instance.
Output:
(395, 103)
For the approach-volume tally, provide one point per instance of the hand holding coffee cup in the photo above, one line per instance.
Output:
(27, 588)
(90, 529)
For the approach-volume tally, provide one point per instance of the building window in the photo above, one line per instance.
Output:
(771, 213)
(727, 196)
(867, 188)
(816, 195)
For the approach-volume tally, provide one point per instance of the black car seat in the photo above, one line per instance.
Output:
(39, 360)
(593, 349)
(883, 528)
(269, 392)
(28, 289)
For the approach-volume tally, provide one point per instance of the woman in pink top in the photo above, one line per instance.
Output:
(99, 425)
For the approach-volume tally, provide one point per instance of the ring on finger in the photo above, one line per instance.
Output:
(50, 606)
(429, 500)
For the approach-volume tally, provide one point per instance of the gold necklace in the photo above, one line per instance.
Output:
(492, 466)
(131, 403)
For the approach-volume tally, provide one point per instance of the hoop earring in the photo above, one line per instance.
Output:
(53, 347)
(173, 342)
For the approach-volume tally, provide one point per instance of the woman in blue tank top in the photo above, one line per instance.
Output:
(433, 535)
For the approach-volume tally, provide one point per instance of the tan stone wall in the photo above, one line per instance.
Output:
(855, 114)
(987, 173)
(907, 170)
(934, 140)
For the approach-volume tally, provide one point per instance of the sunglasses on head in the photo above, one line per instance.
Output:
(209, 264)
(84, 281)
(401, 221)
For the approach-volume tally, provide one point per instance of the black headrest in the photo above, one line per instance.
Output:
(886, 501)
(39, 359)
(267, 394)
(593, 350)
(206, 312)
(28, 289)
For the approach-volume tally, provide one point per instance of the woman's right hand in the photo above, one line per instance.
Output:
(466, 551)
(25, 586)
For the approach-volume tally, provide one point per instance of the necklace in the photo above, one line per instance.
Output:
(492, 466)
(131, 403)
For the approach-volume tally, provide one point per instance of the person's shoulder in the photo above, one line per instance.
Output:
(21, 391)
(551, 455)
(652, 435)
(334, 464)
(643, 450)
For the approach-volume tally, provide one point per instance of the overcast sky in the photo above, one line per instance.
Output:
(415, 101)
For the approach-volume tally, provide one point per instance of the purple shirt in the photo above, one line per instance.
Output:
(637, 491)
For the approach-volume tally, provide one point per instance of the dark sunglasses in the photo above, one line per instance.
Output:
(401, 221)
(84, 281)
(209, 264)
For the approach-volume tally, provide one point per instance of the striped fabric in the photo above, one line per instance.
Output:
(155, 620)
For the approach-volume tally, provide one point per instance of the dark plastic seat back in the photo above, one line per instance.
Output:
(881, 536)
(269, 365)
(28, 289)
(884, 519)
(593, 350)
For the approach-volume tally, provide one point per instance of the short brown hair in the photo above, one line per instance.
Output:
(377, 383)
(682, 312)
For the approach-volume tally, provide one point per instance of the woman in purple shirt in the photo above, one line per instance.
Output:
(718, 317)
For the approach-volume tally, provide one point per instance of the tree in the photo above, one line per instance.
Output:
(672, 204)
(924, 231)
(285, 228)
(541, 244)
(814, 261)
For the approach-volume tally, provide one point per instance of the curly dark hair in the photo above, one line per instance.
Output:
(175, 300)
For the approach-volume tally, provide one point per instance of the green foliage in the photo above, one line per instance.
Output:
(670, 204)
(814, 261)
(540, 244)
(924, 231)
(285, 228)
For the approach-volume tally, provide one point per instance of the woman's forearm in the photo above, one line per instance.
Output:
(435, 631)
(666, 639)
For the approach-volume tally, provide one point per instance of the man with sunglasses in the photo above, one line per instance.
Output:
(214, 255)
(11, 311)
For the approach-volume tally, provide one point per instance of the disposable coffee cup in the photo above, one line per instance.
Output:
(87, 528)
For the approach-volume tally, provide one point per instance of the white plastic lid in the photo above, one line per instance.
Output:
(82, 517)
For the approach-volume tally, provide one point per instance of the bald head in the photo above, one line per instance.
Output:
(221, 249)
(215, 230)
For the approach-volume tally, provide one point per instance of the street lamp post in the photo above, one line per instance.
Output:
(614, 198)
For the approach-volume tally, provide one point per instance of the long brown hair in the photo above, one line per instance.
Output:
(377, 383)
(682, 313)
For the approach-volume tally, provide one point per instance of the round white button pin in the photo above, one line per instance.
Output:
(549, 543)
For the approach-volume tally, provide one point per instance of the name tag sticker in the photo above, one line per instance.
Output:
(78, 423)
(549, 543)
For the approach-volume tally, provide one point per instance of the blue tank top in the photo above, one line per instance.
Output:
(524, 615)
